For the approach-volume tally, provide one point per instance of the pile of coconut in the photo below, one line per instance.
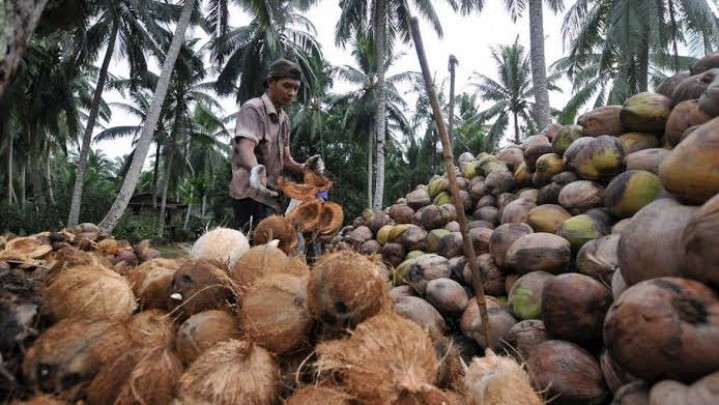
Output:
(596, 242)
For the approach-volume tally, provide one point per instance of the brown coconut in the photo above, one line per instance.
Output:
(41, 399)
(618, 284)
(529, 194)
(319, 395)
(692, 87)
(709, 61)
(91, 292)
(487, 201)
(392, 253)
(512, 156)
(598, 258)
(274, 313)
(602, 121)
(151, 280)
(534, 140)
(614, 376)
(666, 327)
(422, 313)
(685, 115)
(276, 227)
(699, 242)
(345, 288)
(647, 159)
(597, 159)
(532, 153)
(500, 322)
(573, 308)
(667, 87)
(370, 247)
(703, 391)
(488, 213)
(231, 372)
(260, 261)
(646, 112)
(425, 268)
(581, 195)
(502, 239)
(636, 141)
(418, 199)
(517, 211)
(432, 217)
(709, 101)
(547, 217)
(493, 280)
(203, 330)
(500, 181)
(414, 238)
(450, 375)
(221, 244)
(447, 295)
(401, 213)
(567, 373)
(498, 380)
(651, 245)
(522, 175)
(634, 393)
(151, 329)
(690, 171)
(450, 245)
(200, 285)
(525, 336)
(539, 252)
(525, 297)
(384, 360)
(360, 235)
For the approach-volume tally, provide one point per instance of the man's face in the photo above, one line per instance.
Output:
(282, 91)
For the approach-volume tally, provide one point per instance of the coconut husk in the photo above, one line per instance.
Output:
(383, 361)
(200, 285)
(603, 120)
(41, 400)
(152, 329)
(319, 395)
(151, 280)
(91, 292)
(306, 216)
(298, 191)
(276, 227)
(25, 248)
(202, 331)
(614, 376)
(346, 288)
(262, 260)
(331, 218)
(498, 380)
(319, 180)
(220, 244)
(231, 372)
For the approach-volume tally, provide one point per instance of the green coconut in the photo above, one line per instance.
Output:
(547, 166)
(434, 237)
(547, 218)
(646, 112)
(525, 297)
(691, 172)
(636, 141)
(383, 234)
(597, 159)
(582, 228)
(630, 191)
(442, 198)
(396, 232)
(437, 185)
(603, 120)
(565, 137)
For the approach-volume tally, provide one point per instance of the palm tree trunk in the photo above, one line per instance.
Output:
(35, 172)
(204, 207)
(673, 20)
(370, 169)
(10, 191)
(187, 216)
(23, 184)
(48, 179)
(20, 19)
(74, 217)
(163, 201)
(542, 111)
(156, 174)
(516, 128)
(133, 175)
(643, 64)
(380, 29)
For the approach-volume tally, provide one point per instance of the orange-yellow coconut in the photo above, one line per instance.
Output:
(230, 373)
(92, 292)
(387, 357)
(152, 328)
(151, 280)
(305, 217)
(276, 227)
(274, 313)
(260, 261)
(222, 244)
(346, 288)
(498, 380)
(200, 285)
(202, 331)
(41, 400)
(319, 395)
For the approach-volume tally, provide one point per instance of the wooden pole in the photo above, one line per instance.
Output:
(477, 283)
(450, 132)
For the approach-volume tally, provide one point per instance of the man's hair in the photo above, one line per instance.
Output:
(283, 68)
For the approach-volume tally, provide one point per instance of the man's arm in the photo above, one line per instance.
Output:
(289, 163)
(246, 152)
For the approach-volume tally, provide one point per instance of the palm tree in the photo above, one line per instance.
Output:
(385, 21)
(128, 186)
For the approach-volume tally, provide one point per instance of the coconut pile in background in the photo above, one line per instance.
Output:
(597, 243)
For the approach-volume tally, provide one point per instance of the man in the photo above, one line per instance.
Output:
(261, 147)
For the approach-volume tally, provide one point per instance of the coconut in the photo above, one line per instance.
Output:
(547, 217)
(447, 295)
(151, 280)
(425, 268)
(305, 217)
(525, 336)
(567, 373)
(502, 239)
(231, 372)
(528, 194)
(573, 308)
(69, 354)
(525, 297)
(500, 181)
(318, 395)
(487, 164)
(646, 112)
(450, 245)
(260, 261)
(534, 140)
(598, 258)
(25, 248)
(433, 239)
(382, 373)
(709, 100)
(396, 232)
(376, 220)
(603, 120)
(360, 235)
(690, 171)
(618, 284)
(597, 159)
(666, 327)
(199, 285)
(702, 391)
(401, 213)
(125, 380)
(500, 322)
(517, 211)
(512, 156)
(442, 198)
(383, 234)
(699, 240)
(634, 393)
(151, 329)
(431, 217)
(492, 277)
(91, 292)
(421, 312)
(498, 380)
(636, 141)
(203, 330)
(565, 137)
(278, 328)
(370, 247)
(418, 199)
(222, 244)
(414, 238)
(547, 166)
(630, 191)
(692, 87)
(488, 213)
(709, 61)
(450, 375)
(532, 153)
(437, 185)
(667, 87)
(580, 196)
(345, 288)
(647, 159)
(614, 376)
(583, 228)
(685, 115)
(539, 251)
(522, 175)
(41, 400)
(621, 225)
(651, 245)
(487, 201)
(449, 211)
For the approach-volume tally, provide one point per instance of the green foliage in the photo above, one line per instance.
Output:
(29, 219)
(135, 228)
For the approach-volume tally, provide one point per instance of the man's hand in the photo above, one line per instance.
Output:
(316, 164)
(258, 179)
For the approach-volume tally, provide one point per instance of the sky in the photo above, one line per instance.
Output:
(469, 38)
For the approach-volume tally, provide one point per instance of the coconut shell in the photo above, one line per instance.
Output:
(547, 217)
(305, 217)
(151, 280)
(200, 285)
(345, 288)
(598, 258)
(385, 359)
(651, 245)
(318, 395)
(525, 336)
(25, 248)
(603, 120)
(221, 244)
(646, 112)
(667, 87)
(500, 321)
(692, 87)
(597, 159)
(517, 211)
(525, 297)
(690, 171)
(567, 373)
(502, 239)
(699, 242)
(202, 331)
(539, 252)
(91, 292)
(231, 372)
(579, 196)
(447, 295)
(299, 191)
(630, 191)
(276, 227)
(685, 115)
(647, 159)
(665, 327)
(498, 380)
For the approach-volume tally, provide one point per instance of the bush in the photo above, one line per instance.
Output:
(29, 219)
(135, 228)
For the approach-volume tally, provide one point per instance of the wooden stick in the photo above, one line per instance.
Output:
(477, 283)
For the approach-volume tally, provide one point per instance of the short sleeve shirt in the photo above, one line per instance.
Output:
(269, 129)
